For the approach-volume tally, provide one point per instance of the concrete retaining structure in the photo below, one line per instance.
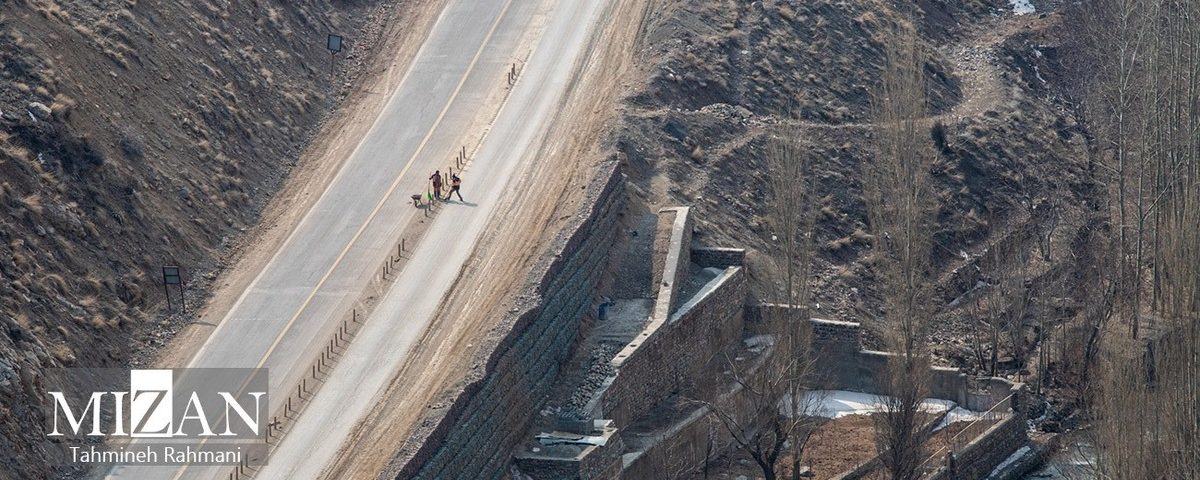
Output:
(690, 442)
(668, 354)
(986, 451)
(671, 260)
(843, 364)
(575, 461)
(718, 257)
(475, 436)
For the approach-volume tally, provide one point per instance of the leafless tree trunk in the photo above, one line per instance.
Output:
(783, 413)
(792, 213)
(979, 326)
(1005, 304)
(898, 205)
(766, 431)
(1149, 392)
(1120, 38)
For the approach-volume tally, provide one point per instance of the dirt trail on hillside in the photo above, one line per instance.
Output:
(546, 195)
(975, 63)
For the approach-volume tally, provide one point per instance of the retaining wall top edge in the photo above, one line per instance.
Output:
(674, 261)
(648, 333)
(843, 323)
(654, 326)
(719, 249)
(706, 291)
(1011, 384)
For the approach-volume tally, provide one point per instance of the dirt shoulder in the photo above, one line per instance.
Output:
(376, 68)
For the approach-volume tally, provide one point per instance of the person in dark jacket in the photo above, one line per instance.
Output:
(455, 183)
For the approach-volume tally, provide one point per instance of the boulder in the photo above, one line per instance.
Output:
(39, 110)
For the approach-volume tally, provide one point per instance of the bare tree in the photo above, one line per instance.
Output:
(1123, 41)
(1050, 209)
(759, 425)
(979, 327)
(1003, 303)
(792, 214)
(782, 419)
(1010, 296)
(1148, 79)
(898, 205)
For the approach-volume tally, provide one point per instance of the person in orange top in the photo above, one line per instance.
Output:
(436, 178)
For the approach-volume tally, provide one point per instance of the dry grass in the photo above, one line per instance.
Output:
(62, 105)
(32, 203)
(63, 353)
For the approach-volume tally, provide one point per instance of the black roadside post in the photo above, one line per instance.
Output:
(334, 44)
(172, 275)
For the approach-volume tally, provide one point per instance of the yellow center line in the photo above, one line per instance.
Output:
(379, 206)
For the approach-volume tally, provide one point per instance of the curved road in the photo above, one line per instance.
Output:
(310, 284)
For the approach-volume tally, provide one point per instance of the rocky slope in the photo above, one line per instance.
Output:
(135, 134)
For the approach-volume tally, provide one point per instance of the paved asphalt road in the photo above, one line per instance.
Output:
(307, 288)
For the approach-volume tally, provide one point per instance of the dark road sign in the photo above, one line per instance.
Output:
(334, 43)
(171, 275)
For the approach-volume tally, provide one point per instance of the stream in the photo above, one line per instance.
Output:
(1074, 462)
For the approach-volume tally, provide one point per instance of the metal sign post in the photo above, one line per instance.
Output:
(173, 275)
(334, 44)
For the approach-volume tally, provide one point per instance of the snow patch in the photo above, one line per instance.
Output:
(1017, 455)
(959, 414)
(758, 342)
(1022, 7)
(840, 403)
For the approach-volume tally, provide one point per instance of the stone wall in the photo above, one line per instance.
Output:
(831, 336)
(589, 463)
(985, 452)
(673, 260)
(689, 443)
(475, 436)
(718, 257)
(842, 364)
(667, 355)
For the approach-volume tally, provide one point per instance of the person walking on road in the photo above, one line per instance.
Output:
(436, 178)
(455, 183)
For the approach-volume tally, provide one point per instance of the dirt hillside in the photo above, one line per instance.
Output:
(136, 134)
(1017, 199)
(1011, 169)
